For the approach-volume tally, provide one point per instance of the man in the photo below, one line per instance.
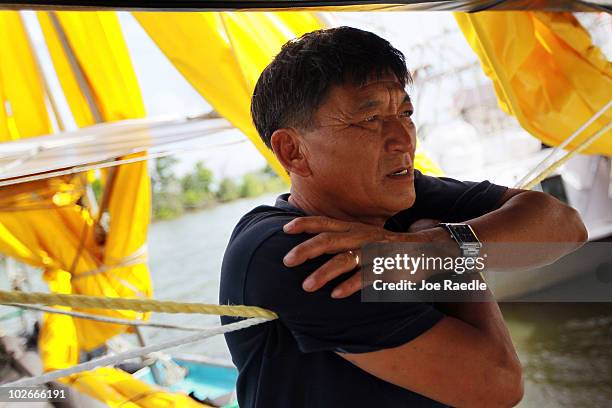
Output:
(333, 108)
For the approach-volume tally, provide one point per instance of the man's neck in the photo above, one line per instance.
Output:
(313, 205)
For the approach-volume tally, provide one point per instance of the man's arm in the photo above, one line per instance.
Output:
(472, 345)
(466, 359)
(469, 348)
(522, 217)
(528, 216)
(456, 362)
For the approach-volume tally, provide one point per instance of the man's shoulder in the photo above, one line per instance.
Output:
(259, 224)
(260, 228)
(255, 253)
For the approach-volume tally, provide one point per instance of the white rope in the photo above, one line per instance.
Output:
(571, 153)
(563, 145)
(137, 352)
(110, 163)
(137, 257)
(105, 319)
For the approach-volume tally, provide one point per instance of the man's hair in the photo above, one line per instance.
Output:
(296, 83)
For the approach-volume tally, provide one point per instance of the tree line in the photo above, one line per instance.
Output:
(173, 195)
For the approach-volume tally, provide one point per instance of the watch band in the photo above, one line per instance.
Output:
(465, 237)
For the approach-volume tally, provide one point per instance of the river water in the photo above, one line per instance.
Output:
(565, 348)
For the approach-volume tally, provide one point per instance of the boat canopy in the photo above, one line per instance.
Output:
(546, 72)
(22, 93)
(83, 247)
(312, 5)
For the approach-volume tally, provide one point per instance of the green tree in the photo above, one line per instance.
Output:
(228, 190)
(269, 171)
(196, 187)
(164, 174)
(166, 200)
(166, 205)
(252, 185)
(272, 181)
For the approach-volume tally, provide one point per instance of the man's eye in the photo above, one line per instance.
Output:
(371, 119)
(406, 114)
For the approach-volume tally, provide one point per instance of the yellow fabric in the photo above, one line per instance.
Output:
(38, 195)
(129, 210)
(119, 389)
(22, 100)
(546, 72)
(37, 231)
(241, 45)
(57, 343)
(53, 237)
(202, 50)
(108, 71)
(41, 223)
(107, 66)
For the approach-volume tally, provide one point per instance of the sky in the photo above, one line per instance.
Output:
(431, 42)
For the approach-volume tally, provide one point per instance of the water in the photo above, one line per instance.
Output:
(566, 352)
(185, 258)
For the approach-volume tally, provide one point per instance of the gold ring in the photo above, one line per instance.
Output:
(356, 255)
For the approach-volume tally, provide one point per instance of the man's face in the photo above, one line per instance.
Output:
(361, 149)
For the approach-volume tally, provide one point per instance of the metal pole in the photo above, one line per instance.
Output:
(47, 89)
(76, 68)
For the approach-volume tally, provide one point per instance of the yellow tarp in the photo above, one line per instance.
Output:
(22, 98)
(119, 389)
(108, 73)
(546, 72)
(222, 55)
(57, 343)
(42, 223)
(96, 40)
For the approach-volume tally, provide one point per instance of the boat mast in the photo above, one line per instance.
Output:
(88, 93)
(50, 97)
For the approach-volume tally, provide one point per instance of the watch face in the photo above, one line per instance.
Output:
(464, 233)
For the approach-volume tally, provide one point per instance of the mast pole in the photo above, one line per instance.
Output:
(76, 68)
(50, 97)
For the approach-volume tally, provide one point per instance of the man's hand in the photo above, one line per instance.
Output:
(522, 216)
(335, 237)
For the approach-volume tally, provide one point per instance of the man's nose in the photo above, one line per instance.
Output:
(400, 137)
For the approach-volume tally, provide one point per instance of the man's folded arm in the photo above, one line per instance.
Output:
(453, 362)
(412, 345)
(319, 322)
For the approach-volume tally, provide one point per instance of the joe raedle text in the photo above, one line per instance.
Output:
(446, 285)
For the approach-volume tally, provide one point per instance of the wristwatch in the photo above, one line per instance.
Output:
(465, 237)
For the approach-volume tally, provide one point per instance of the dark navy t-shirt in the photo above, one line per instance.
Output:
(291, 362)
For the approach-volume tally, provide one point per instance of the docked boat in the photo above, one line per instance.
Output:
(95, 243)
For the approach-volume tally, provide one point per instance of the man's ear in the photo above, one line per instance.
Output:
(289, 149)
